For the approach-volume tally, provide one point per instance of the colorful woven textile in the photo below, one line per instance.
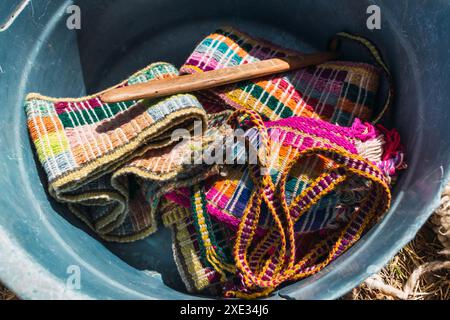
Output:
(266, 263)
(309, 176)
(185, 157)
(336, 91)
(339, 92)
(228, 196)
(88, 148)
(189, 250)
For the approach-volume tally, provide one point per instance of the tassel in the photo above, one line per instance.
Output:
(372, 149)
(393, 144)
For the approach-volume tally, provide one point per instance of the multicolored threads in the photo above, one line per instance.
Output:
(321, 176)
(86, 146)
(336, 91)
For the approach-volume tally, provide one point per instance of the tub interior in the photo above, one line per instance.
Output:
(119, 37)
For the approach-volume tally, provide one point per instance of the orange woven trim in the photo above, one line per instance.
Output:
(252, 280)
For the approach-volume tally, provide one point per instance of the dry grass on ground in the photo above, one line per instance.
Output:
(5, 294)
(433, 286)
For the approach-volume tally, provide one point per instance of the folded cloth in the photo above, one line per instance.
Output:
(271, 260)
(220, 202)
(238, 230)
(227, 195)
(336, 91)
(89, 149)
(189, 250)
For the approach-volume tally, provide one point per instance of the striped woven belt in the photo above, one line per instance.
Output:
(321, 178)
(92, 152)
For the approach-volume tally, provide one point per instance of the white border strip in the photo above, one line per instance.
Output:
(17, 11)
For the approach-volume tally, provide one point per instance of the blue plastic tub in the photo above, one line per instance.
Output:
(42, 246)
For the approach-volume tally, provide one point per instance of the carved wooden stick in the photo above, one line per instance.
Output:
(214, 78)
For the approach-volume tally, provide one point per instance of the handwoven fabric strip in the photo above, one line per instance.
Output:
(83, 144)
(273, 260)
(227, 196)
(336, 91)
(337, 146)
(176, 160)
(329, 214)
(188, 250)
